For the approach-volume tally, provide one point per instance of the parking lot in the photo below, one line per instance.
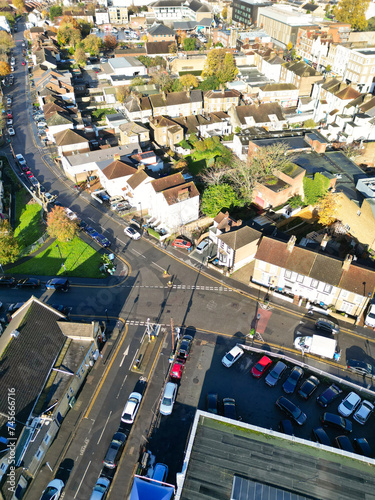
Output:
(204, 373)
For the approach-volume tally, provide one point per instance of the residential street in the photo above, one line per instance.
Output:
(219, 310)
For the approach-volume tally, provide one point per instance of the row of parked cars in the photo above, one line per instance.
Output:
(351, 405)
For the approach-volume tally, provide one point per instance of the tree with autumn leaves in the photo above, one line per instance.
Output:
(352, 12)
(327, 209)
(9, 247)
(4, 68)
(59, 225)
(220, 64)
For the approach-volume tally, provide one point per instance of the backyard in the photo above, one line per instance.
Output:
(79, 258)
(100, 114)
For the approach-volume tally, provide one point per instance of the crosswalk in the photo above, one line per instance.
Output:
(182, 287)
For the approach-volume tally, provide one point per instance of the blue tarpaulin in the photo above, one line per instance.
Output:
(145, 490)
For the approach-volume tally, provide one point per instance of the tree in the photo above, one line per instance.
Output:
(180, 164)
(80, 57)
(177, 86)
(210, 83)
(55, 11)
(9, 247)
(110, 41)
(189, 44)
(220, 64)
(327, 209)
(214, 176)
(19, 5)
(4, 68)
(163, 80)
(310, 123)
(172, 48)
(215, 198)
(122, 92)
(352, 12)
(295, 202)
(84, 27)
(6, 41)
(181, 36)
(138, 80)
(92, 44)
(189, 81)
(328, 68)
(224, 13)
(60, 226)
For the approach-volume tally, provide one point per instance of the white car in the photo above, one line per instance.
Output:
(9, 121)
(168, 399)
(9, 101)
(21, 160)
(370, 318)
(131, 408)
(349, 404)
(232, 356)
(364, 411)
(11, 131)
(303, 343)
(70, 214)
(203, 245)
(53, 490)
(132, 233)
(100, 489)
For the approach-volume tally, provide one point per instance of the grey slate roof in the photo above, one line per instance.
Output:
(160, 29)
(102, 155)
(240, 237)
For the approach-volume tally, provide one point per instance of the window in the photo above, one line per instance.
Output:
(300, 278)
(38, 454)
(262, 265)
(344, 294)
(327, 288)
(358, 299)
(273, 269)
(314, 283)
(288, 275)
(47, 439)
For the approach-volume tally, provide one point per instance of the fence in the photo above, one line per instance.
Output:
(34, 246)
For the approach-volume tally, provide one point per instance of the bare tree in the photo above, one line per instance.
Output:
(214, 175)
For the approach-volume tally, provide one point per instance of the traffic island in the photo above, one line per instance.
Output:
(149, 345)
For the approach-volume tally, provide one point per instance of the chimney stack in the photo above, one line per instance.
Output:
(347, 262)
(291, 243)
(324, 242)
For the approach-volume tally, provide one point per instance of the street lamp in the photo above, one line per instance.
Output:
(106, 313)
(62, 263)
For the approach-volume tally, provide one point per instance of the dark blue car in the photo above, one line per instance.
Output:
(102, 240)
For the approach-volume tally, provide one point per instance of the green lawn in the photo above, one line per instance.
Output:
(99, 114)
(29, 227)
(80, 260)
(195, 166)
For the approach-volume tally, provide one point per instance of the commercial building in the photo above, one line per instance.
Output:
(245, 12)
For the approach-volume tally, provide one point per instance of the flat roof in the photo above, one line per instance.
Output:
(220, 449)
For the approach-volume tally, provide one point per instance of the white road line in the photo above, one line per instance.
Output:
(91, 219)
(122, 385)
(126, 352)
(105, 425)
(118, 239)
(83, 477)
(157, 265)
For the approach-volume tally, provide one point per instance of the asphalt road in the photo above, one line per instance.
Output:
(220, 315)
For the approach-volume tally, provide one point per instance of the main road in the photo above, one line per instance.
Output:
(209, 303)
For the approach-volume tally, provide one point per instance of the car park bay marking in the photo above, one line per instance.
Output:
(83, 477)
(105, 425)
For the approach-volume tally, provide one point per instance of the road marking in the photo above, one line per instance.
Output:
(105, 425)
(99, 387)
(83, 477)
(92, 220)
(157, 265)
(118, 239)
(122, 385)
(124, 356)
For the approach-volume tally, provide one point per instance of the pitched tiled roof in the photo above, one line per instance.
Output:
(160, 29)
(197, 6)
(168, 182)
(221, 94)
(132, 128)
(118, 169)
(59, 119)
(27, 359)
(259, 113)
(136, 179)
(239, 238)
(69, 136)
(274, 87)
(321, 267)
(179, 193)
(348, 93)
(158, 47)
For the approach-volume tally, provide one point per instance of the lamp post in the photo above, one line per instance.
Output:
(62, 263)
(106, 313)
(140, 205)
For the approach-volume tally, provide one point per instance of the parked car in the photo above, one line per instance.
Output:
(261, 367)
(291, 382)
(53, 490)
(203, 245)
(229, 408)
(9, 121)
(349, 404)
(275, 374)
(177, 369)
(212, 403)
(102, 240)
(12, 308)
(335, 421)
(29, 174)
(28, 283)
(168, 399)
(91, 231)
(34, 181)
(319, 435)
(11, 131)
(327, 326)
(160, 473)
(184, 347)
(114, 451)
(343, 442)
(7, 281)
(21, 160)
(61, 284)
(364, 412)
(181, 243)
(329, 395)
(370, 317)
(100, 489)
(360, 367)
(232, 356)
(62, 309)
(132, 233)
(291, 410)
(308, 387)
(362, 447)
(131, 408)
(70, 214)
(286, 427)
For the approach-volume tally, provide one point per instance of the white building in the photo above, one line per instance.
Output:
(101, 17)
(4, 25)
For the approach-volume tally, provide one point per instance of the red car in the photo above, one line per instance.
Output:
(23, 63)
(261, 367)
(10, 116)
(181, 243)
(177, 369)
(29, 174)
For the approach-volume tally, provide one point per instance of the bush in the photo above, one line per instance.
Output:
(295, 202)
(153, 233)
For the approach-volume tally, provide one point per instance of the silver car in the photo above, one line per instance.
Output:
(275, 374)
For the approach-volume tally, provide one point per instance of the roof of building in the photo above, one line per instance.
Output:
(275, 87)
(153, 48)
(160, 30)
(240, 237)
(71, 329)
(136, 179)
(348, 93)
(222, 453)
(124, 62)
(180, 193)
(102, 155)
(118, 169)
(260, 113)
(197, 6)
(168, 3)
(168, 182)
(27, 359)
(221, 94)
(132, 128)
(318, 266)
(69, 136)
(58, 118)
